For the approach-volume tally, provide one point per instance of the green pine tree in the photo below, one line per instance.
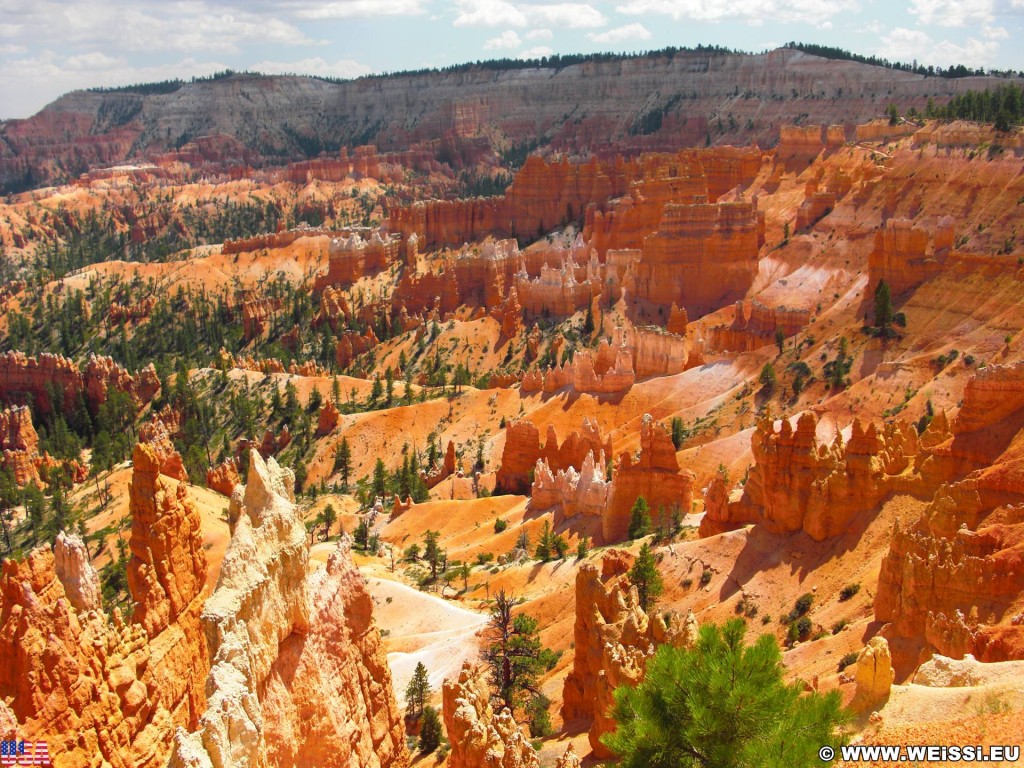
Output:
(722, 704)
(645, 577)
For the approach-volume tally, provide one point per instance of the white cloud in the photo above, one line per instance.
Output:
(953, 13)
(345, 68)
(906, 44)
(752, 12)
(500, 13)
(546, 34)
(488, 13)
(619, 34)
(505, 41)
(995, 33)
(347, 9)
(538, 52)
(571, 15)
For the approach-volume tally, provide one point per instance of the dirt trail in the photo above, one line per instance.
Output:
(422, 627)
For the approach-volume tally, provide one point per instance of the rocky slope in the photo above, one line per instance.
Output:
(244, 119)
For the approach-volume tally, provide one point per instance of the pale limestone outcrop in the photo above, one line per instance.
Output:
(298, 665)
(80, 581)
(874, 675)
(570, 759)
(481, 738)
(573, 493)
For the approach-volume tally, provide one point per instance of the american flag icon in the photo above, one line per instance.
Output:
(24, 753)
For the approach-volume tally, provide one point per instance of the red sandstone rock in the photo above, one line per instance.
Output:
(523, 450)
(655, 476)
(328, 419)
(155, 434)
(795, 484)
(255, 315)
(352, 344)
(168, 564)
(112, 694)
(481, 738)
(20, 444)
(224, 477)
(613, 639)
(906, 255)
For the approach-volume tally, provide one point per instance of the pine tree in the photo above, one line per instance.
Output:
(329, 516)
(430, 731)
(417, 692)
(343, 462)
(543, 552)
(380, 479)
(767, 378)
(639, 519)
(645, 577)
(432, 552)
(514, 653)
(722, 704)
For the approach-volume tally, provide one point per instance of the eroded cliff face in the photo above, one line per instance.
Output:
(952, 580)
(479, 736)
(798, 485)
(654, 474)
(613, 640)
(588, 106)
(24, 378)
(523, 449)
(104, 692)
(298, 668)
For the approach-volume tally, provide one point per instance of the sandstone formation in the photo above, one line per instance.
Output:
(105, 693)
(613, 640)
(327, 419)
(224, 477)
(874, 676)
(352, 344)
(20, 444)
(351, 257)
(523, 450)
(25, 379)
(299, 674)
(692, 243)
(951, 579)
(654, 475)
(256, 314)
(905, 255)
(480, 737)
(155, 434)
(570, 759)
(80, 581)
(168, 564)
(796, 484)
(754, 325)
(573, 493)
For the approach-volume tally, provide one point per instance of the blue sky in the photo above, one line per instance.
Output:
(49, 47)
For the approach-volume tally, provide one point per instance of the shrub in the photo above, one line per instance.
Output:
(500, 525)
(848, 591)
(847, 660)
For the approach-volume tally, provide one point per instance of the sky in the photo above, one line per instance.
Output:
(50, 47)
